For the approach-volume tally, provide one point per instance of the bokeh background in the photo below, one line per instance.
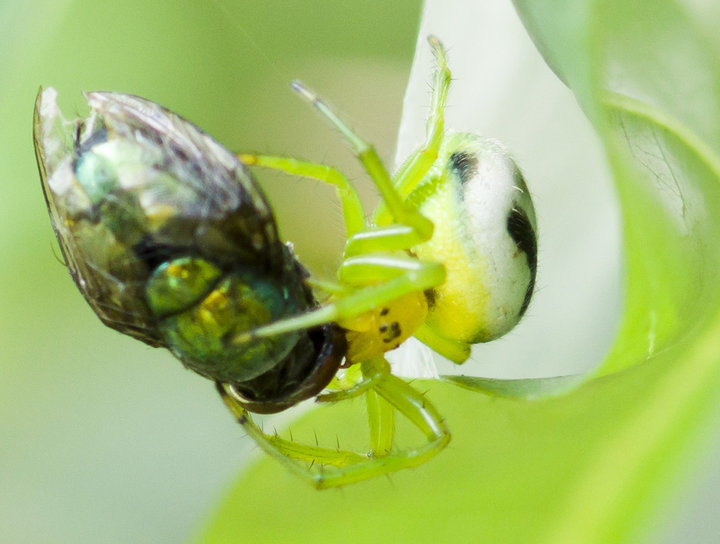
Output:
(103, 439)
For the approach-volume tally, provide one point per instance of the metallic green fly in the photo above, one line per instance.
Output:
(171, 241)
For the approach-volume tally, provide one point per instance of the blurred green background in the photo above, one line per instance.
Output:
(103, 439)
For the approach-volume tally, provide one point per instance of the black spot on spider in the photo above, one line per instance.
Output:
(431, 297)
(395, 332)
(521, 231)
(385, 311)
(464, 165)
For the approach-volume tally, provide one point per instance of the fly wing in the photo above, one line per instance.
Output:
(213, 187)
(134, 185)
(108, 296)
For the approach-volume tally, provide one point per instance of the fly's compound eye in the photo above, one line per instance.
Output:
(179, 284)
(201, 311)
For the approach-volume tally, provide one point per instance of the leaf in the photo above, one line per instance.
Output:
(529, 388)
(591, 465)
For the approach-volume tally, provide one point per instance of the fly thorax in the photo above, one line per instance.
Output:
(202, 310)
(484, 235)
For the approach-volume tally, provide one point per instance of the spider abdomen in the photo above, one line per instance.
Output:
(484, 235)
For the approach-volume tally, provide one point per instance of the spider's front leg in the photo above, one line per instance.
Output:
(386, 278)
(419, 163)
(325, 467)
(351, 205)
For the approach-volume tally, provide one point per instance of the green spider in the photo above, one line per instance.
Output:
(171, 241)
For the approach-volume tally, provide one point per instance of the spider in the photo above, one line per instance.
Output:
(171, 241)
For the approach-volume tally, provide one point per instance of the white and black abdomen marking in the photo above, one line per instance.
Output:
(523, 233)
(485, 235)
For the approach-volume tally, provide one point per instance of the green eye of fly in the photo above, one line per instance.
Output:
(178, 284)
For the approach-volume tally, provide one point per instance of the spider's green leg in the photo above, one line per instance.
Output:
(369, 158)
(349, 199)
(419, 163)
(367, 270)
(403, 274)
(325, 286)
(381, 421)
(287, 451)
(457, 352)
(415, 169)
(346, 379)
(415, 407)
(393, 237)
(353, 391)
(409, 402)
(348, 466)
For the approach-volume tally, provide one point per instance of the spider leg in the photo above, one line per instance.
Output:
(285, 450)
(421, 161)
(457, 352)
(414, 169)
(397, 276)
(366, 153)
(381, 423)
(344, 466)
(349, 199)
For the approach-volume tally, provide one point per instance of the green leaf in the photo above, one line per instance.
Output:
(591, 465)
